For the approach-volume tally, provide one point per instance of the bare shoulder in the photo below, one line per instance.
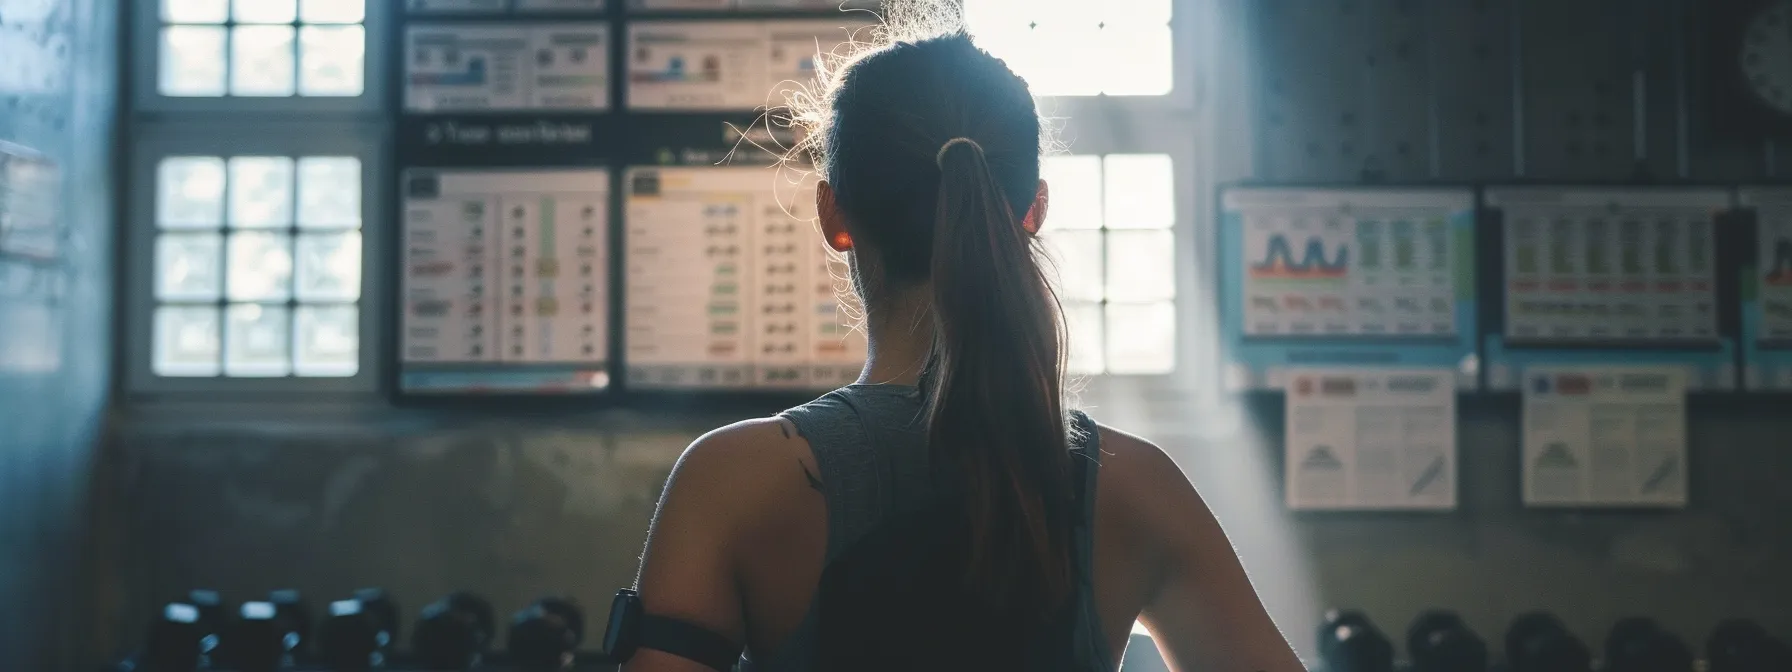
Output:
(1135, 463)
(742, 468)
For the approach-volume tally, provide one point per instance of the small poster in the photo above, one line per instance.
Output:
(30, 191)
(1371, 439)
(1775, 237)
(1605, 436)
(485, 67)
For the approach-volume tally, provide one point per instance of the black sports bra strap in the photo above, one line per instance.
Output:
(692, 642)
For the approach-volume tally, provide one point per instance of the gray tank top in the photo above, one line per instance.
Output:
(870, 447)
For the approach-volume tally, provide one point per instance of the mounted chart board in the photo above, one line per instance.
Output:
(725, 65)
(506, 281)
(730, 286)
(1767, 290)
(492, 67)
(1610, 276)
(1329, 277)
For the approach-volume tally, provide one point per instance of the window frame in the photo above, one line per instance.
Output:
(155, 141)
(144, 55)
(1141, 132)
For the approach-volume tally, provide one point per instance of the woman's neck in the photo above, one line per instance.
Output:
(900, 334)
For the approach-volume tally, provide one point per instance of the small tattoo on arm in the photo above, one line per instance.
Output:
(814, 482)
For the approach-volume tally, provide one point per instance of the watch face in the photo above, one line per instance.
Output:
(1766, 57)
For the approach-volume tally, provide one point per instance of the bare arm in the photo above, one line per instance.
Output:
(1202, 611)
(689, 569)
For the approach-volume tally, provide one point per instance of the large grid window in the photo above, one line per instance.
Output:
(257, 269)
(1122, 47)
(261, 48)
(1110, 234)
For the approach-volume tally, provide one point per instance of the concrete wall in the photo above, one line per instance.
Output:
(57, 92)
(247, 498)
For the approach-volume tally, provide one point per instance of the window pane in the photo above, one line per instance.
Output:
(329, 267)
(332, 60)
(1083, 324)
(1141, 191)
(332, 11)
(260, 192)
(1077, 258)
(186, 341)
(257, 341)
(190, 192)
(327, 341)
(330, 192)
(189, 267)
(1053, 70)
(192, 61)
(194, 11)
(263, 11)
(260, 267)
(1149, 56)
(1141, 338)
(1075, 185)
(261, 61)
(1134, 12)
(1141, 265)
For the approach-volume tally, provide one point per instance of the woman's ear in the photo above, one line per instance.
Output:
(833, 222)
(1035, 218)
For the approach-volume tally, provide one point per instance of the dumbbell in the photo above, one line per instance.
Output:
(380, 606)
(1350, 642)
(1739, 645)
(349, 639)
(1439, 641)
(546, 635)
(1538, 642)
(1638, 644)
(175, 640)
(211, 612)
(293, 617)
(453, 632)
(255, 641)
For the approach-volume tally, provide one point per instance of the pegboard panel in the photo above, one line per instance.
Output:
(1355, 90)
(1582, 61)
(1471, 56)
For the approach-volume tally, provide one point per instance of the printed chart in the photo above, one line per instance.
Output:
(1371, 439)
(730, 286)
(724, 65)
(1346, 277)
(1582, 267)
(1605, 436)
(505, 282)
(502, 67)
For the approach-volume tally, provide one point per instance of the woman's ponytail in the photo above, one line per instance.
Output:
(995, 386)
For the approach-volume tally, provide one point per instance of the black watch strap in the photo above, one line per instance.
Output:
(691, 642)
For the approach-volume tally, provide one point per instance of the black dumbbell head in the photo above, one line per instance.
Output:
(379, 606)
(349, 639)
(211, 610)
(1357, 648)
(453, 632)
(175, 640)
(254, 641)
(1528, 632)
(1334, 618)
(568, 611)
(293, 617)
(1439, 641)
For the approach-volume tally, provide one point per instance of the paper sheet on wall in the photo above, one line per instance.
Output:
(1605, 436)
(1371, 439)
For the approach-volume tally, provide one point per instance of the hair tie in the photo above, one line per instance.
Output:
(940, 158)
